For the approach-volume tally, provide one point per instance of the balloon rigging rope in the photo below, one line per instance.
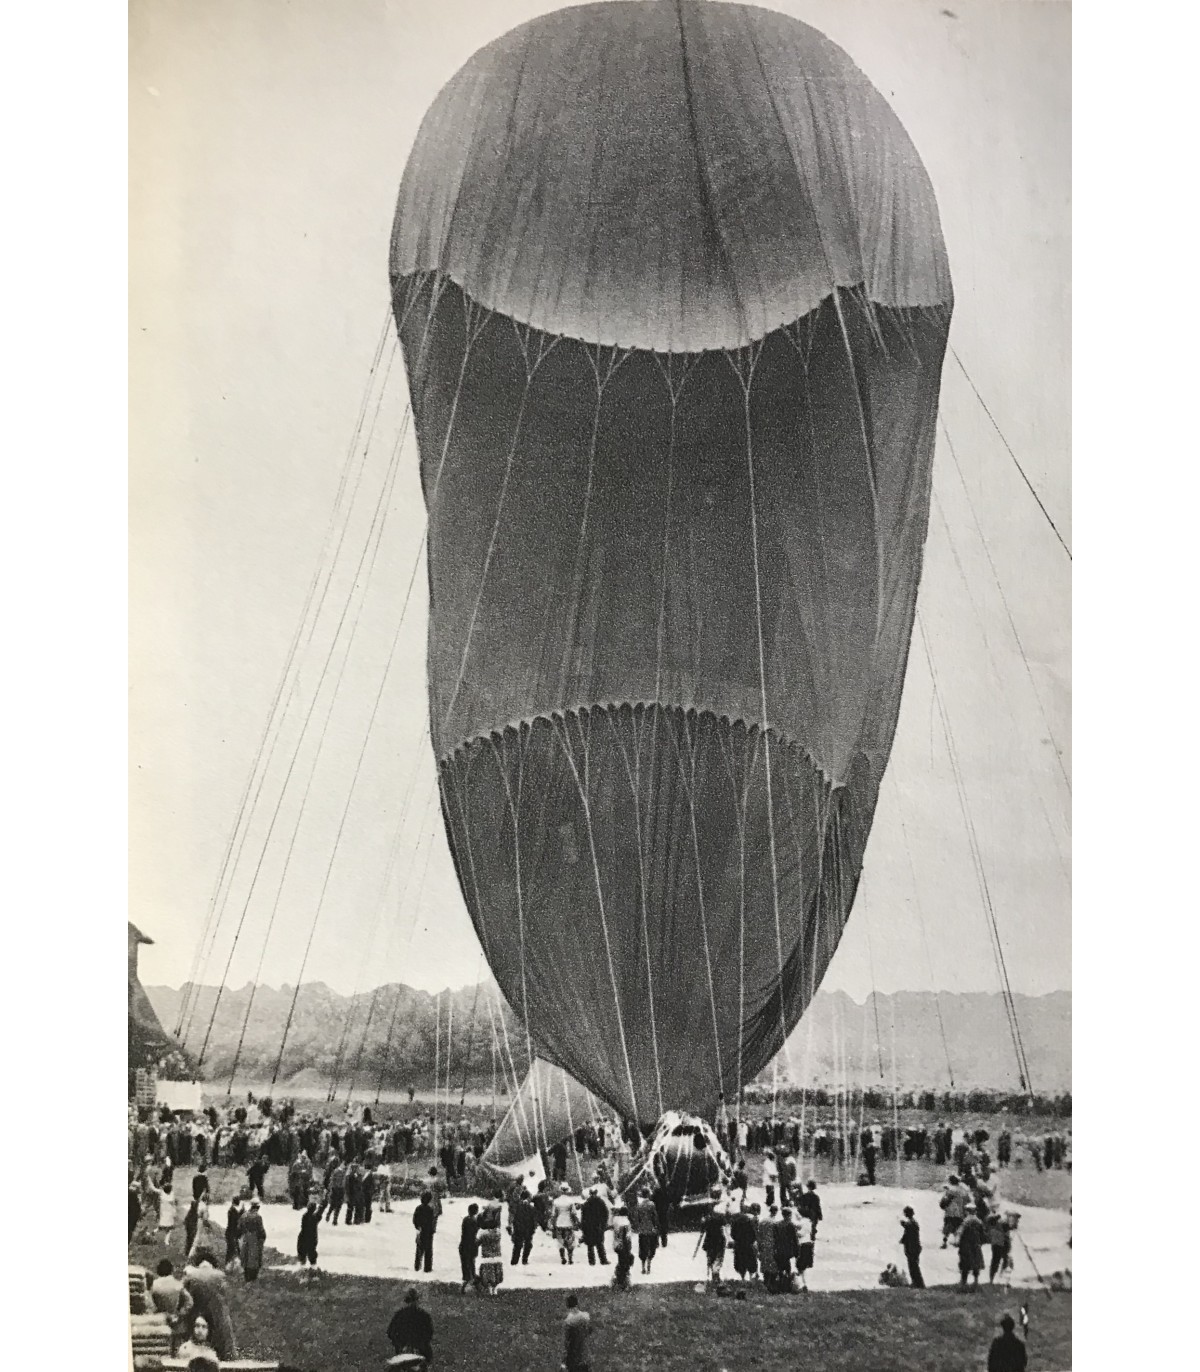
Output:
(980, 872)
(568, 752)
(275, 716)
(1016, 461)
(302, 807)
(866, 909)
(689, 783)
(381, 514)
(425, 836)
(744, 370)
(1058, 756)
(370, 547)
(450, 792)
(571, 1127)
(539, 355)
(635, 788)
(380, 909)
(937, 995)
(517, 1110)
(996, 673)
(471, 1033)
(515, 816)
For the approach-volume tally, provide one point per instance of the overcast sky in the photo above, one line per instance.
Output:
(268, 141)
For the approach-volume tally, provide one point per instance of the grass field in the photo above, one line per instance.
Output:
(338, 1324)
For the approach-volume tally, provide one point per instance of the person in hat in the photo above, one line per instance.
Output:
(252, 1239)
(565, 1219)
(1007, 1353)
(910, 1241)
(770, 1175)
(712, 1238)
(411, 1328)
(970, 1249)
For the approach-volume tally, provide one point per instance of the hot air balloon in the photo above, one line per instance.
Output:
(673, 299)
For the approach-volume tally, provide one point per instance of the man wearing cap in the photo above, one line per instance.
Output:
(1007, 1353)
(910, 1241)
(563, 1222)
(411, 1328)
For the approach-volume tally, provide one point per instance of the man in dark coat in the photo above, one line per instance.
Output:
(233, 1220)
(306, 1242)
(424, 1222)
(523, 1221)
(910, 1241)
(661, 1199)
(809, 1206)
(593, 1221)
(200, 1184)
(468, 1245)
(1007, 1353)
(411, 1329)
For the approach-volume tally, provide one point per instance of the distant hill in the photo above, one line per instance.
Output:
(392, 1036)
(388, 1037)
(977, 1040)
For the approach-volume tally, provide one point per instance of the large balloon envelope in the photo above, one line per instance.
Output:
(673, 300)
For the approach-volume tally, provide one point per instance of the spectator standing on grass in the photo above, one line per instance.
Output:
(593, 1222)
(806, 1250)
(661, 1198)
(335, 1182)
(999, 1235)
(468, 1246)
(522, 1223)
(577, 1330)
(135, 1209)
(306, 1240)
(425, 1223)
(200, 1183)
(809, 1206)
(411, 1328)
(645, 1226)
(770, 1176)
(742, 1234)
(910, 1241)
(1007, 1353)
(252, 1239)
(622, 1232)
(970, 1250)
(491, 1254)
(233, 1220)
(565, 1220)
(954, 1208)
(765, 1236)
(712, 1238)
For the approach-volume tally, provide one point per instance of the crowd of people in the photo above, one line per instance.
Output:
(343, 1172)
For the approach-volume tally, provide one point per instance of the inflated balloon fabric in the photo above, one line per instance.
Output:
(673, 300)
